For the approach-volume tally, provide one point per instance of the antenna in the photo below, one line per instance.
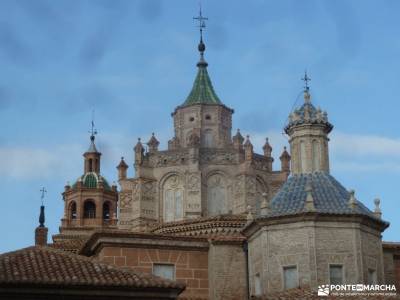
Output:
(44, 191)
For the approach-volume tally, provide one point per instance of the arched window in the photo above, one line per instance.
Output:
(106, 211)
(173, 199)
(216, 195)
(89, 209)
(90, 165)
(72, 211)
(303, 158)
(208, 138)
(316, 155)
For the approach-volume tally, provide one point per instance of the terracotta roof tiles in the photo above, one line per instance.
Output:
(50, 267)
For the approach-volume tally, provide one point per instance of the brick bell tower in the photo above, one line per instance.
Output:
(90, 202)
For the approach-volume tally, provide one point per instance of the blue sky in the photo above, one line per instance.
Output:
(134, 62)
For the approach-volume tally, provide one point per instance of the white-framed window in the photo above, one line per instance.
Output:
(164, 270)
(372, 276)
(336, 274)
(257, 285)
(290, 277)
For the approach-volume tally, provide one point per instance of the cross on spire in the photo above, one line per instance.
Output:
(44, 191)
(306, 79)
(202, 23)
(93, 130)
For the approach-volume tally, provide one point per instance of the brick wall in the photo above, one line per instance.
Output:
(397, 271)
(227, 267)
(191, 267)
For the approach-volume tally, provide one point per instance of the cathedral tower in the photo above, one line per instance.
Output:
(90, 202)
(308, 129)
(205, 172)
(202, 120)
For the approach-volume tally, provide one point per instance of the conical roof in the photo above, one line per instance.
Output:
(202, 91)
(92, 147)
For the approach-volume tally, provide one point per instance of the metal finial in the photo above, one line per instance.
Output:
(93, 130)
(202, 23)
(306, 79)
(41, 216)
(44, 191)
(202, 46)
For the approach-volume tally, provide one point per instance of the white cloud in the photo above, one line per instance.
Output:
(29, 163)
(364, 145)
(350, 153)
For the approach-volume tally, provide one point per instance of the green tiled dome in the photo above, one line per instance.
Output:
(91, 180)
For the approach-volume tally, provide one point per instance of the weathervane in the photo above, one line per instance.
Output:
(306, 79)
(44, 191)
(202, 23)
(93, 130)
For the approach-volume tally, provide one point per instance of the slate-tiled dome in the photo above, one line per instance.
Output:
(328, 194)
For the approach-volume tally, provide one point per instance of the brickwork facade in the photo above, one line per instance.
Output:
(191, 267)
(312, 247)
(227, 272)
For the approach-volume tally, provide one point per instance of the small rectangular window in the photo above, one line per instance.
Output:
(257, 285)
(372, 276)
(164, 271)
(336, 274)
(290, 277)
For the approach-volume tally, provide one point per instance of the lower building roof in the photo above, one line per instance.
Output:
(48, 267)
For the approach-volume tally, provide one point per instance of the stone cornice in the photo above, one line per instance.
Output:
(255, 225)
(119, 238)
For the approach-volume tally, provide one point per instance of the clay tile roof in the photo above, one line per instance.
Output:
(72, 245)
(46, 266)
(237, 219)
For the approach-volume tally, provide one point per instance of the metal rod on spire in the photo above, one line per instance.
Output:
(44, 191)
(202, 23)
(306, 79)
(93, 130)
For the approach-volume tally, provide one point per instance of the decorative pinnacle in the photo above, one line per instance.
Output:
(377, 210)
(41, 216)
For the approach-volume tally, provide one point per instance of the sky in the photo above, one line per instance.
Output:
(133, 62)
